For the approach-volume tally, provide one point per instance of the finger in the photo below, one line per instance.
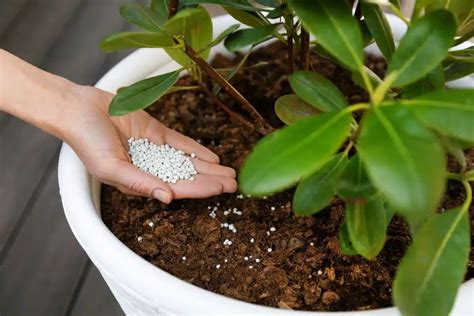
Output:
(189, 146)
(126, 175)
(204, 167)
(203, 186)
(126, 190)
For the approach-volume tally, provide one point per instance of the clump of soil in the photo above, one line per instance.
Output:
(275, 258)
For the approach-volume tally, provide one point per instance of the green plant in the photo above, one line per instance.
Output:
(391, 161)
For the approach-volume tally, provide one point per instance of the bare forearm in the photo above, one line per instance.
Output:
(33, 95)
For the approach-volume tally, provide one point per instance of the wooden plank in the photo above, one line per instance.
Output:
(42, 268)
(77, 55)
(95, 297)
(34, 30)
(25, 153)
(9, 10)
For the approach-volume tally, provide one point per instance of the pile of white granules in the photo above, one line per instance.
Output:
(163, 161)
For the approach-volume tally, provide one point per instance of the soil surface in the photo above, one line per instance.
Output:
(304, 269)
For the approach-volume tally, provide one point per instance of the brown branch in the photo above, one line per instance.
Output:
(172, 8)
(304, 52)
(233, 115)
(227, 87)
(291, 57)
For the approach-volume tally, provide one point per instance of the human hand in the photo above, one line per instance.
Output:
(101, 143)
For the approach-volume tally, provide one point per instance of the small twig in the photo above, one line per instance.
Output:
(304, 57)
(291, 57)
(172, 8)
(227, 87)
(233, 115)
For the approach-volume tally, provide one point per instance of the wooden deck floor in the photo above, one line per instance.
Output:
(43, 270)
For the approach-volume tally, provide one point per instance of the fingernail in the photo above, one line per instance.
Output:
(162, 195)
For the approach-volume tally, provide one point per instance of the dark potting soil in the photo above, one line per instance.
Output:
(304, 269)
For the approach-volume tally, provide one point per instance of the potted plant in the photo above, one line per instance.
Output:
(381, 156)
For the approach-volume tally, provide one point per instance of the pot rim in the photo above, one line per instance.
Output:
(80, 194)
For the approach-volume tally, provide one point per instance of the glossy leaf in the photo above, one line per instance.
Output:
(455, 69)
(354, 184)
(195, 27)
(451, 112)
(144, 17)
(460, 8)
(247, 37)
(373, 77)
(334, 27)
(318, 91)
(290, 109)
(466, 55)
(345, 244)
(423, 47)
(124, 40)
(434, 265)
(246, 17)
(267, 3)
(142, 94)
(278, 12)
(160, 6)
(434, 80)
(224, 34)
(379, 28)
(316, 192)
(394, 148)
(296, 152)
(366, 225)
(237, 4)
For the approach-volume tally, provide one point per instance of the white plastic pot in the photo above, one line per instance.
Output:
(140, 287)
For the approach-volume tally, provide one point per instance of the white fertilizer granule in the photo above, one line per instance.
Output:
(163, 161)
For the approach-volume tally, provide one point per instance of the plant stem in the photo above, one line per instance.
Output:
(454, 176)
(227, 87)
(233, 115)
(468, 201)
(291, 57)
(172, 8)
(304, 51)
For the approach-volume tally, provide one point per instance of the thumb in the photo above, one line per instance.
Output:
(126, 175)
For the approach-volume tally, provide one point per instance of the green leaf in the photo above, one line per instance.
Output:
(379, 28)
(434, 80)
(278, 12)
(433, 268)
(460, 8)
(373, 77)
(160, 6)
(318, 91)
(454, 148)
(296, 152)
(394, 148)
(246, 37)
(142, 94)
(451, 112)
(195, 27)
(290, 109)
(237, 4)
(465, 55)
(366, 225)
(246, 17)
(316, 192)
(267, 3)
(135, 39)
(354, 184)
(144, 17)
(423, 47)
(334, 27)
(224, 34)
(455, 69)
(345, 244)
